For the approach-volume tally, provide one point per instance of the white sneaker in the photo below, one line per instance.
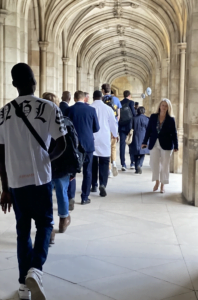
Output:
(124, 168)
(110, 174)
(24, 292)
(115, 169)
(34, 283)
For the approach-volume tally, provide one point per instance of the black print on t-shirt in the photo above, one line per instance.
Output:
(40, 111)
(26, 107)
(4, 113)
(60, 121)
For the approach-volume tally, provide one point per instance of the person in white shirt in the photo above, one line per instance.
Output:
(102, 142)
(25, 170)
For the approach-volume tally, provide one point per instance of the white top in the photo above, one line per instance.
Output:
(27, 163)
(108, 125)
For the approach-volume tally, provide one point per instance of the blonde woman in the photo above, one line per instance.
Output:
(162, 134)
(51, 97)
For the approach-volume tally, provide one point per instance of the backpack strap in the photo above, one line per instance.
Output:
(21, 115)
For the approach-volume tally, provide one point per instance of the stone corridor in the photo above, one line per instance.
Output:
(132, 245)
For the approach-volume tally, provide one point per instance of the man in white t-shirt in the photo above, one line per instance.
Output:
(25, 170)
(102, 143)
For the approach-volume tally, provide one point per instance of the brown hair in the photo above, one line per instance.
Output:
(79, 95)
(106, 87)
(51, 97)
(127, 94)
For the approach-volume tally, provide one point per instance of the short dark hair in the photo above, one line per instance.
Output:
(141, 110)
(22, 75)
(79, 95)
(106, 87)
(97, 95)
(136, 103)
(127, 94)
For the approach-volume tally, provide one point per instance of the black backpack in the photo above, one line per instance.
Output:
(71, 161)
(108, 100)
(126, 115)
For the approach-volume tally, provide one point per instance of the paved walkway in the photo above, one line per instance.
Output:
(132, 245)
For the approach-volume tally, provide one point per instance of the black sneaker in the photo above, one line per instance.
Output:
(103, 192)
(84, 202)
(94, 189)
(71, 204)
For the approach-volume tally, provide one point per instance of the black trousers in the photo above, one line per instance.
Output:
(87, 176)
(101, 163)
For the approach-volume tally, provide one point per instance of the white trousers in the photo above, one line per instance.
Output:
(160, 163)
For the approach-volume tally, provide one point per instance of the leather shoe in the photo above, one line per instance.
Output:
(84, 202)
(64, 223)
(103, 192)
(94, 189)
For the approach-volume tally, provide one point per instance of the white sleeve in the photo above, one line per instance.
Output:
(57, 126)
(113, 124)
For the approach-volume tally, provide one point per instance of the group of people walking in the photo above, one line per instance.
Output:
(43, 145)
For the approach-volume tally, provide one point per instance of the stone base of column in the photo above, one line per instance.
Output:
(177, 158)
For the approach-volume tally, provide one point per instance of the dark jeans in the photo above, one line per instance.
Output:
(123, 136)
(132, 156)
(32, 202)
(139, 159)
(103, 167)
(87, 176)
(72, 189)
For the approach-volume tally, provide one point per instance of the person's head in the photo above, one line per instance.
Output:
(165, 107)
(141, 110)
(86, 100)
(127, 94)
(23, 79)
(106, 88)
(51, 97)
(136, 105)
(79, 96)
(97, 95)
(66, 96)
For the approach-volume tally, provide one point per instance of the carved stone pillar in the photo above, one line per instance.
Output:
(182, 48)
(43, 64)
(3, 15)
(65, 72)
(79, 70)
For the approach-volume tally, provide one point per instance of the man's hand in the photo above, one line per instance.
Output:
(144, 146)
(6, 202)
(116, 138)
(176, 150)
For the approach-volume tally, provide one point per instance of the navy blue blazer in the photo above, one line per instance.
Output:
(140, 124)
(85, 121)
(167, 137)
(63, 107)
(126, 128)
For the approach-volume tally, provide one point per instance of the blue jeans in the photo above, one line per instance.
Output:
(32, 202)
(61, 185)
(72, 189)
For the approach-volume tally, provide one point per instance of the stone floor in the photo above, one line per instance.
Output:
(132, 245)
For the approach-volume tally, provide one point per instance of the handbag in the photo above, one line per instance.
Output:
(21, 115)
(129, 138)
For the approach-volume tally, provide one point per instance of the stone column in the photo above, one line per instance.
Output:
(164, 78)
(65, 72)
(179, 155)
(79, 69)
(191, 112)
(3, 15)
(43, 64)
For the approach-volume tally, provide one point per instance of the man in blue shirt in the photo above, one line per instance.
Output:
(125, 129)
(106, 90)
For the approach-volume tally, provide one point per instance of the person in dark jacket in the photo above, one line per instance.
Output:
(163, 139)
(85, 121)
(125, 129)
(64, 105)
(61, 183)
(140, 124)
